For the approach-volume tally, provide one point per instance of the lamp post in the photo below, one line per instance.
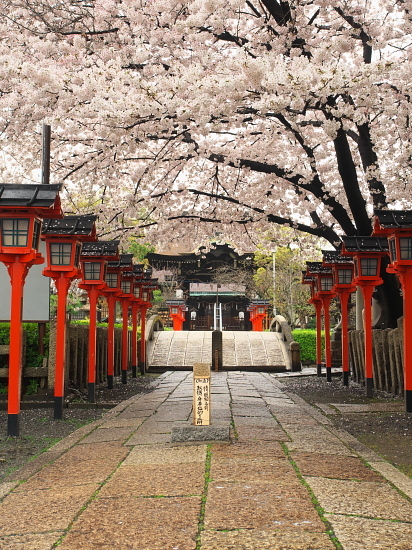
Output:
(63, 240)
(258, 310)
(324, 292)
(22, 208)
(94, 260)
(343, 285)
(317, 303)
(397, 226)
(367, 253)
(136, 301)
(112, 291)
(177, 310)
(144, 306)
(125, 298)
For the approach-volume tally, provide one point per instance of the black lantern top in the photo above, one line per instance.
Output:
(365, 244)
(80, 226)
(101, 248)
(335, 257)
(394, 219)
(126, 261)
(22, 196)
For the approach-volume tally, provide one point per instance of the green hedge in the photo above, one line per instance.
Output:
(33, 358)
(307, 340)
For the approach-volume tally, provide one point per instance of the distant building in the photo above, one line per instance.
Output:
(205, 298)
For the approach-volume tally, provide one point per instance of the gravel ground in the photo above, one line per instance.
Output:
(39, 430)
(388, 434)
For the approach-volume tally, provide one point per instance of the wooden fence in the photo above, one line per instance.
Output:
(77, 354)
(387, 358)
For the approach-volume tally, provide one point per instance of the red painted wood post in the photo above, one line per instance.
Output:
(318, 308)
(125, 340)
(328, 351)
(142, 362)
(344, 300)
(62, 285)
(17, 271)
(406, 279)
(93, 293)
(367, 291)
(135, 310)
(111, 305)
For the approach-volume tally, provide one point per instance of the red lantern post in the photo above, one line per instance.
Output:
(317, 303)
(22, 208)
(63, 239)
(144, 306)
(94, 262)
(397, 226)
(325, 294)
(367, 253)
(126, 298)
(136, 302)
(177, 310)
(258, 311)
(112, 292)
(343, 285)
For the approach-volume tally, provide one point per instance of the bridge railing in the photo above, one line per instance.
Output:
(279, 324)
(154, 324)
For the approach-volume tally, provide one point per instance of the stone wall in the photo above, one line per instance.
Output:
(77, 354)
(387, 358)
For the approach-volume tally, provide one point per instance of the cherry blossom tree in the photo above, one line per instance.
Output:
(239, 113)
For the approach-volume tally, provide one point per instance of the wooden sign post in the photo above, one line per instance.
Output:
(201, 394)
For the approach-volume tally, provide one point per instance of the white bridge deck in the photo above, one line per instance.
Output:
(181, 349)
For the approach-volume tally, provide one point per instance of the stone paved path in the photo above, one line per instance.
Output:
(170, 349)
(289, 480)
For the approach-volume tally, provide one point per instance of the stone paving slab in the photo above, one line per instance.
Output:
(131, 523)
(37, 541)
(257, 470)
(123, 423)
(373, 500)
(256, 539)
(249, 433)
(148, 439)
(159, 480)
(392, 474)
(102, 435)
(247, 450)
(164, 454)
(371, 534)
(6, 487)
(111, 450)
(53, 476)
(135, 492)
(255, 505)
(344, 467)
(44, 510)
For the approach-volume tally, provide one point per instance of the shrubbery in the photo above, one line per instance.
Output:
(33, 357)
(307, 340)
